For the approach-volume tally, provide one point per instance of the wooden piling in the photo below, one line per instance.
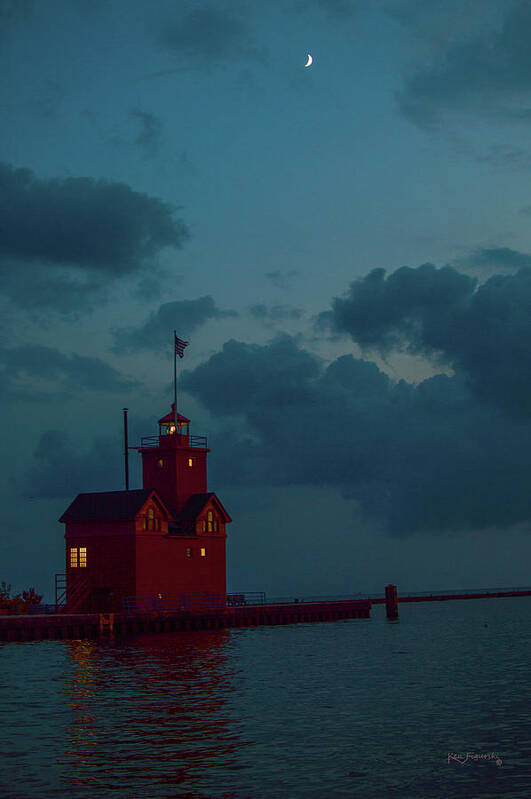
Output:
(106, 623)
(391, 601)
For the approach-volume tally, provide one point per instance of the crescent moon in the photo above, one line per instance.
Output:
(309, 62)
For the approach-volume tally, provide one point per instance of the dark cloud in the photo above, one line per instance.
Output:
(282, 280)
(40, 290)
(388, 313)
(425, 459)
(501, 259)
(62, 240)
(185, 316)
(60, 469)
(482, 331)
(275, 313)
(255, 376)
(153, 285)
(487, 72)
(28, 371)
(150, 134)
(82, 222)
(208, 33)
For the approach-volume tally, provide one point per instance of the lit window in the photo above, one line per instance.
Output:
(151, 519)
(203, 552)
(160, 463)
(203, 526)
(209, 520)
(188, 552)
(73, 557)
(82, 557)
(190, 462)
(171, 429)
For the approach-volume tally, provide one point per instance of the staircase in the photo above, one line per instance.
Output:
(69, 602)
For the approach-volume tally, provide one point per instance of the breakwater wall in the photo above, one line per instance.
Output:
(60, 626)
(440, 597)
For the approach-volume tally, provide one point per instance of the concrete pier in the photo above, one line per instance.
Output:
(438, 597)
(95, 625)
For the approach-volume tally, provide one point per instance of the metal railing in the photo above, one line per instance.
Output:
(194, 442)
(60, 592)
(285, 600)
(42, 610)
(67, 601)
(451, 592)
(180, 603)
(246, 598)
(184, 603)
(213, 602)
(380, 595)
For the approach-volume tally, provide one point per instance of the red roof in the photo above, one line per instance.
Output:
(170, 416)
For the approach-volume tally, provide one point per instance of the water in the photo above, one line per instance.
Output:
(358, 708)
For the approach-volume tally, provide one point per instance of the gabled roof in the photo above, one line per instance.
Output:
(110, 505)
(196, 503)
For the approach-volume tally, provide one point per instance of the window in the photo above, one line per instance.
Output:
(73, 557)
(151, 522)
(82, 557)
(160, 463)
(190, 461)
(188, 552)
(203, 552)
(210, 524)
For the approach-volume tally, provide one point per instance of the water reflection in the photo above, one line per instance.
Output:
(150, 717)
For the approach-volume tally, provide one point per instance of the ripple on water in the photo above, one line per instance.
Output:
(358, 708)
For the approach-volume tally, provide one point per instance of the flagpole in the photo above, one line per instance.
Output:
(175, 380)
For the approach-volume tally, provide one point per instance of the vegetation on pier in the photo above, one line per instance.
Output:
(18, 603)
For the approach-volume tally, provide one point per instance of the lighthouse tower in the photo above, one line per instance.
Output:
(165, 539)
(174, 463)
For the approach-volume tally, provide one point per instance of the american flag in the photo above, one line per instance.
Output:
(179, 346)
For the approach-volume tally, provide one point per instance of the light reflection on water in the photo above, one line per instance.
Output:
(150, 714)
(356, 708)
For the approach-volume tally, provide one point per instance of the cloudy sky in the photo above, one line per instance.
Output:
(346, 247)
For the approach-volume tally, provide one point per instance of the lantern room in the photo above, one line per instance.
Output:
(169, 425)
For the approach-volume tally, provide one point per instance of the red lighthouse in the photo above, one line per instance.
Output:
(174, 462)
(165, 539)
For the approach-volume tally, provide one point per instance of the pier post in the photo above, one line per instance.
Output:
(391, 601)
(106, 623)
